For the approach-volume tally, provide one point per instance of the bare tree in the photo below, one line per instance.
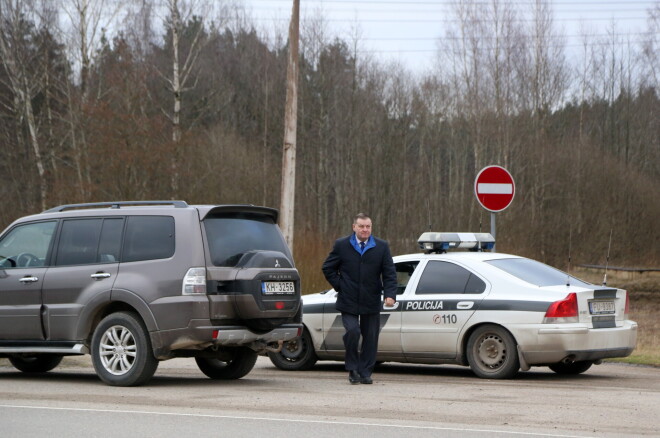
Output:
(183, 15)
(24, 78)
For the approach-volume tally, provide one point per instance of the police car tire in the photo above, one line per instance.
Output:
(571, 368)
(296, 355)
(239, 366)
(492, 353)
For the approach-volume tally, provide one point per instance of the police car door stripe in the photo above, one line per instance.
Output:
(437, 305)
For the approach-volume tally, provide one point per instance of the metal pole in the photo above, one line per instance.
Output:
(492, 230)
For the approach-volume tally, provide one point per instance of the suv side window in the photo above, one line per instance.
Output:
(27, 245)
(79, 242)
(448, 278)
(86, 241)
(148, 238)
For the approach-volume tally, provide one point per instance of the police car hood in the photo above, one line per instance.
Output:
(317, 298)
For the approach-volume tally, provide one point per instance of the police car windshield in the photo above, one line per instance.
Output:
(536, 273)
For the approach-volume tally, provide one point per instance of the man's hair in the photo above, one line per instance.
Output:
(360, 216)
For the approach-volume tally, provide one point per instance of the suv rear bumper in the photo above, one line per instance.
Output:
(238, 335)
(200, 336)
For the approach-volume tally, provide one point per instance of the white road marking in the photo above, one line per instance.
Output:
(284, 420)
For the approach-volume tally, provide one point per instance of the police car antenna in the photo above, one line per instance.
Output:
(428, 209)
(607, 260)
(568, 271)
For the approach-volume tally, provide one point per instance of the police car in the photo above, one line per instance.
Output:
(496, 313)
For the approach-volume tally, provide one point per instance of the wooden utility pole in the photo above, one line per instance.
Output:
(287, 200)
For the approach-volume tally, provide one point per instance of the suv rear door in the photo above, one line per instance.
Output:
(23, 264)
(85, 266)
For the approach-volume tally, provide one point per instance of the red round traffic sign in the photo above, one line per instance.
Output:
(494, 188)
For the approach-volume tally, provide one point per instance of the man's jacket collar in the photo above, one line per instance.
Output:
(371, 243)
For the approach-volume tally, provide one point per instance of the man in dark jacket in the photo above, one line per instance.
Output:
(360, 269)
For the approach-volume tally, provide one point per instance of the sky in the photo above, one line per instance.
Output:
(408, 30)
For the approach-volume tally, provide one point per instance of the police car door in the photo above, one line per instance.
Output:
(389, 340)
(440, 303)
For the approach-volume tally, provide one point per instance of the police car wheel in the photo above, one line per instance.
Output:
(296, 355)
(492, 353)
(571, 368)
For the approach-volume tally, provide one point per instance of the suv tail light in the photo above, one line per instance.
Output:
(563, 311)
(194, 283)
(627, 310)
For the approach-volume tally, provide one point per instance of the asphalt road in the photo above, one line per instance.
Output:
(610, 400)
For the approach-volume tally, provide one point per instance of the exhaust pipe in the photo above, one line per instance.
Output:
(568, 359)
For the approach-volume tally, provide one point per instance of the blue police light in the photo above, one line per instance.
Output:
(431, 242)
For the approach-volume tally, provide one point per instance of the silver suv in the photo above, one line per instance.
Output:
(134, 283)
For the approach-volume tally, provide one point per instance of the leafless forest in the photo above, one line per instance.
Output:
(184, 99)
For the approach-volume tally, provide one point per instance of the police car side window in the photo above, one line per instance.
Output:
(404, 270)
(447, 278)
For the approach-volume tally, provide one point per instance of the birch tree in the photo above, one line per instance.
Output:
(19, 59)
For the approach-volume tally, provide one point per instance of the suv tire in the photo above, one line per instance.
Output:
(240, 365)
(121, 350)
(36, 363)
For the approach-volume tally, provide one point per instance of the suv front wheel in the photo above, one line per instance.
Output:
(242, 362)
(36, 363)
(121, 350)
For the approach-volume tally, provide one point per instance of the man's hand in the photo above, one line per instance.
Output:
(389, 302)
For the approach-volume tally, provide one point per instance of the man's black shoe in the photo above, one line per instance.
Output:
(366, 381)
(354, 377)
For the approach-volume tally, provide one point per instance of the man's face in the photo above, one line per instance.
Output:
(362, 228)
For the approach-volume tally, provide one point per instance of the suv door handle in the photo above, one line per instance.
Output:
(100, 275)
(30, 279)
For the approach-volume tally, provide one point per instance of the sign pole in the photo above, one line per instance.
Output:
(492, 230)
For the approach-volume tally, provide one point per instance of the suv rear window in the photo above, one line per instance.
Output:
(536, 273)
(231, 236)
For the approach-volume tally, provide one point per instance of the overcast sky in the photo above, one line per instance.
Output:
(408, 31)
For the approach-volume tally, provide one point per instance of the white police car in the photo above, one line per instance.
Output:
(496, 313)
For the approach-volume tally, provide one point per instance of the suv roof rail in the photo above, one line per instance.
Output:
(176, 204)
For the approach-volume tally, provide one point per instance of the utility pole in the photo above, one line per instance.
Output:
(287, 200)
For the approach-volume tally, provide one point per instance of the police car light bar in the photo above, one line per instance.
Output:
(441, 242)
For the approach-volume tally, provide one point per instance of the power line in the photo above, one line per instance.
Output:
(454, 2)
(400, 20)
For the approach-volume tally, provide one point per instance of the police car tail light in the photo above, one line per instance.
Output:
(626, 311)
(565, 310)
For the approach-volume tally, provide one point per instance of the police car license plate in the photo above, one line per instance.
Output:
(277, 287)
(601, 307)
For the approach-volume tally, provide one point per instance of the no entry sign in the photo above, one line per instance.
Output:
(494, 188)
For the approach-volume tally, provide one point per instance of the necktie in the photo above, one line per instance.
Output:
(361, 246)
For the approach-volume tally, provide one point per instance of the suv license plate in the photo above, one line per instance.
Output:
(278, 287)
(601, 307)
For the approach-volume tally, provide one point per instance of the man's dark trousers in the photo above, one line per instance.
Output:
(367, 325)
